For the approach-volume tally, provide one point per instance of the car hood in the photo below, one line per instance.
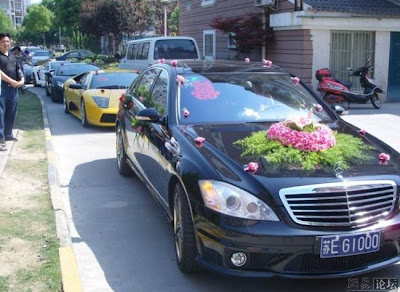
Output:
(226, 158)
(112, 94)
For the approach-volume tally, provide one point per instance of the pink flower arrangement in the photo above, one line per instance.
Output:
(200, 141)
(290, 133)
(251, 167)
(180, 79)
(267, 63)
(362, 132)
(295, 80)
(161, 61)
(174, 63)
(186, 113)
(318, 107)
(247, 60)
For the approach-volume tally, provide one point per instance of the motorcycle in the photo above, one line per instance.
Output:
(337, 92)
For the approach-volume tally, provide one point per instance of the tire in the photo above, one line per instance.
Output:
(53, 97)
(376, 102)
(66, 110)
(34, 80)
(184, 236)
(47, 89)
(123, 167)
(84, 120)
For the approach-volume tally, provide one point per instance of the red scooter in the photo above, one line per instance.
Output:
(337, 92)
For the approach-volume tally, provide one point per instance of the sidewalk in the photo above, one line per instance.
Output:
(4, 154)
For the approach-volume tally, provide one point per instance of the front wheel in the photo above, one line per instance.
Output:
(376, 101)
(84, 120)
(34, 80)
(184, 236)
(66, 110)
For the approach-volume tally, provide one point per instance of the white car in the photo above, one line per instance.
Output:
(40, 56)
(39, 73)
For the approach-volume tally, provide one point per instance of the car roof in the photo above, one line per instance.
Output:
(162, 38)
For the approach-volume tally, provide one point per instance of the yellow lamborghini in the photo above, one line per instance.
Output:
(94, 96)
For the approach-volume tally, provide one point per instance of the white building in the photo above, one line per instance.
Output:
(15, 9)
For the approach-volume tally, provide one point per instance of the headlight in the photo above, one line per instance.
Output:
(101, 101)
(232, 201)
(59, 83)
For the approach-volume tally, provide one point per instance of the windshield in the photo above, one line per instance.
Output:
(175, 49)
(75, 69)
(244, 97)
(112, 80)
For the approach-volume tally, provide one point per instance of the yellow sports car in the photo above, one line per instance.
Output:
(94, 96)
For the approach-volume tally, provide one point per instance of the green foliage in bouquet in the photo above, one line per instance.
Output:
(347, 148)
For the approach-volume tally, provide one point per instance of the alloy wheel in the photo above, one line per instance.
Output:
(178, 227)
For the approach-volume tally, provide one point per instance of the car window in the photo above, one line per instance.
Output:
(143, 89)
(85, 53)
(84, 79)
(145, 51)
(175, 49)
(75, 69)
(73, 55)
(158, 98)
(131, 52)
(245, 97)
(139, 51)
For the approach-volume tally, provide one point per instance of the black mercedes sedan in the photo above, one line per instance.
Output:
(258, 175)
(61, 74)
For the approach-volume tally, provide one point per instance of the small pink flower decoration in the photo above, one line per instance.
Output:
(180, 79)
(174, 63)
(186, 113)
(200, 141)
(362, 132)
(267, 63)
(247, 60)
(295, 80)
(161, 61)
(318, 107)
(384, 158)
(251, 167)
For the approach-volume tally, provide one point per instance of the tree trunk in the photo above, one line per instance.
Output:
(44, 39)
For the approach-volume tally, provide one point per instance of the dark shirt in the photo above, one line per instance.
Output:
(10, 66)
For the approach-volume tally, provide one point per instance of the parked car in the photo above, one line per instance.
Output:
(28, 73)
(75, 54)
(39, 73)
(40, 56)
(62, 73)
(144, 52)
(259, 176)
(93, 96)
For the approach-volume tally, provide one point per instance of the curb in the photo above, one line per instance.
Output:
(69, 269)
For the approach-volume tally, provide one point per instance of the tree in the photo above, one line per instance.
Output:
(67, 15)
(247, 30)
(39, 19)
(173, 21)
(5, 23)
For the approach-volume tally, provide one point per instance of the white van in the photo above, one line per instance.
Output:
(144, 52)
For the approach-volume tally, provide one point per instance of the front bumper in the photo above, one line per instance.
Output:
(277, 249)
(101, 116)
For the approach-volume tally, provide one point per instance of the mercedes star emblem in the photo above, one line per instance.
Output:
(338, 168)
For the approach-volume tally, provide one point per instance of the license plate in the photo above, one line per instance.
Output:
(349, 244)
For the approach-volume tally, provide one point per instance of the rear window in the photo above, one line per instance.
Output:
(175, 49)
(75, 69)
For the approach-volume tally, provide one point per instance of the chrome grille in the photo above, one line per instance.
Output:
(340, 204)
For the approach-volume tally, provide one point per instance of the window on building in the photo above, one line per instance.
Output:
(188, 4)
(18, 20)
(4, 5)
(351, 49)
(18, 6)
(209, 44)
(207, 2)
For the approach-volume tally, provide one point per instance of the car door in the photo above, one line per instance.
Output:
(74, 95)
(151, 151)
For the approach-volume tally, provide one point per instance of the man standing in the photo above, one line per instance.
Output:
(12, 78)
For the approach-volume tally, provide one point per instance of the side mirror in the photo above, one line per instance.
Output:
(340, 110)
(150, 115)
(76, 86)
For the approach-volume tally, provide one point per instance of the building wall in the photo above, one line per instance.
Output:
(192, 22)
(293, 50)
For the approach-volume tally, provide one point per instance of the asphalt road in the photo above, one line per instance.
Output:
(121, 238)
